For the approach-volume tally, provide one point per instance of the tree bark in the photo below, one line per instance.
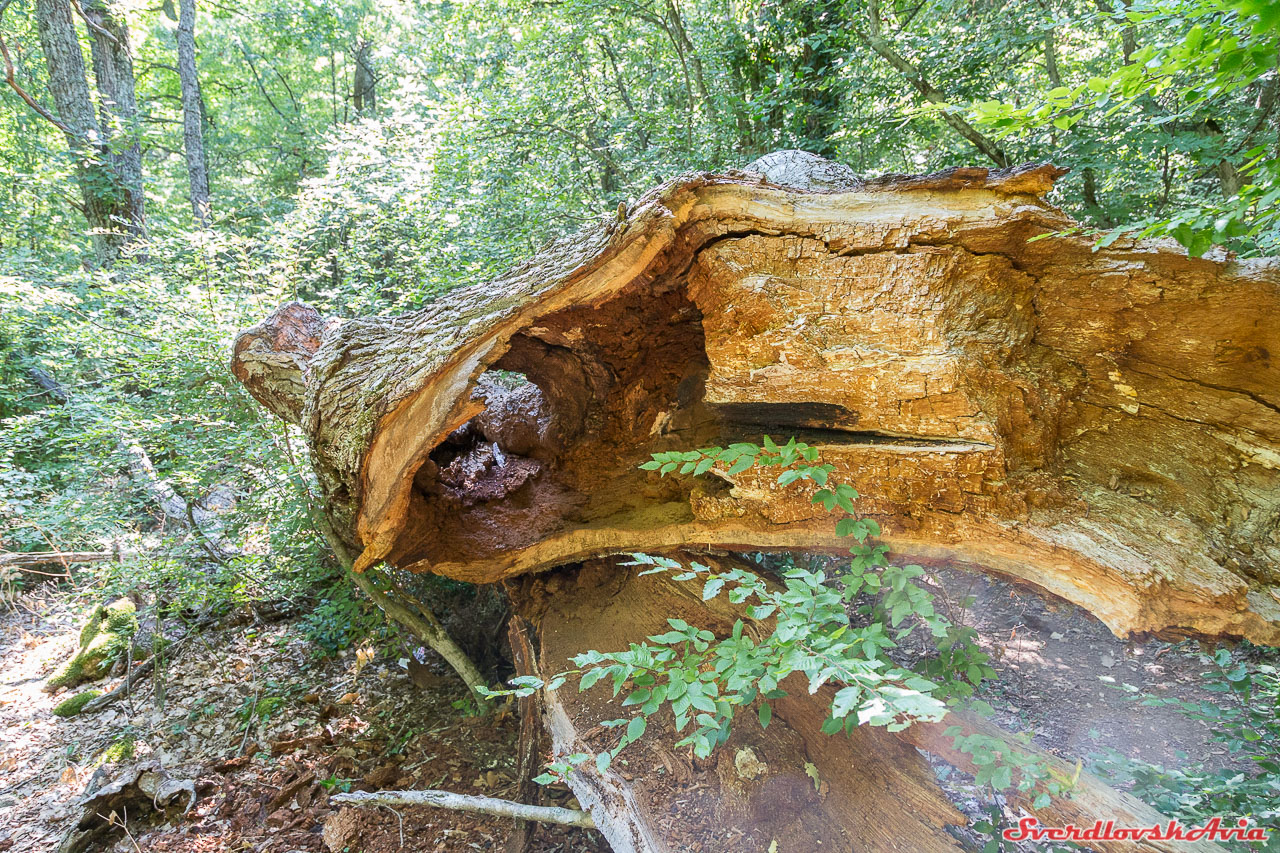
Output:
(530, 708)
(105, 204)
(192, 114)
(364, 86)
(117, 105)
(1119, 449)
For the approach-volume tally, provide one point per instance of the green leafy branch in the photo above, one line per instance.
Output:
(705, 680)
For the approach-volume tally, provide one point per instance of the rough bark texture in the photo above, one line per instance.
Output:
(1105, 425)
(117, 105)
(192, 114)
(101, 203)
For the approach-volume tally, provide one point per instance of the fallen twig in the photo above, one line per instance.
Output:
(39, 558)
(468, 803)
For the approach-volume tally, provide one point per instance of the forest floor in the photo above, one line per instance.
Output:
(267, 731)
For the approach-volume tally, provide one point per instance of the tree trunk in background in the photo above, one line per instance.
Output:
(364, 87)
(192, 114)
(104, 200)
(117, 105)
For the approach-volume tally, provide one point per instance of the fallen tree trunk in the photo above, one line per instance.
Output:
(1105, 425)
(20, 559)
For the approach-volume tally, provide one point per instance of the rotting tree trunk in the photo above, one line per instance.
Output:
(1104, 425)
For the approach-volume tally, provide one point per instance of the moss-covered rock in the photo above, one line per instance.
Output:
(74, 705)
(103, 640)
(124, 749)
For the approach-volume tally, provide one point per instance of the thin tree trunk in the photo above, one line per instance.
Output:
(117, 104)
(880, 45)
(1051, 58)
(680, 37)
(364, 87)
(192, 114)
(522, 655)
(1128, 38)
(413, 616)
(100, 188)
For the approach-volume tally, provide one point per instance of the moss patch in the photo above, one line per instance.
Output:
(123, 749)
(74, 705)
(103, 640)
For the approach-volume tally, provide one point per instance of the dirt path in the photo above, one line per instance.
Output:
(268, 731)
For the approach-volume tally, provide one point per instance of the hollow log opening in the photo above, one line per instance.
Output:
(570, 410)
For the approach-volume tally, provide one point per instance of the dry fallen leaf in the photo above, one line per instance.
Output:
(349, 699)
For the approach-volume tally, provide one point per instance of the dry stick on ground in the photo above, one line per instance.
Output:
(414, 616)
(468, 803)
(140, 671)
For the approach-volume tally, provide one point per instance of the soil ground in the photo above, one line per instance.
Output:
(268, 731)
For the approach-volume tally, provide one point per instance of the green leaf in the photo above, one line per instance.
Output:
(635, 728)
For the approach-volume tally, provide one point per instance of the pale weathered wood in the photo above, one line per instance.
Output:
(1105, 425)
(467, 803)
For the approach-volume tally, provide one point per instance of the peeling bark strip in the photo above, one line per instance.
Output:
(1105, 424)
